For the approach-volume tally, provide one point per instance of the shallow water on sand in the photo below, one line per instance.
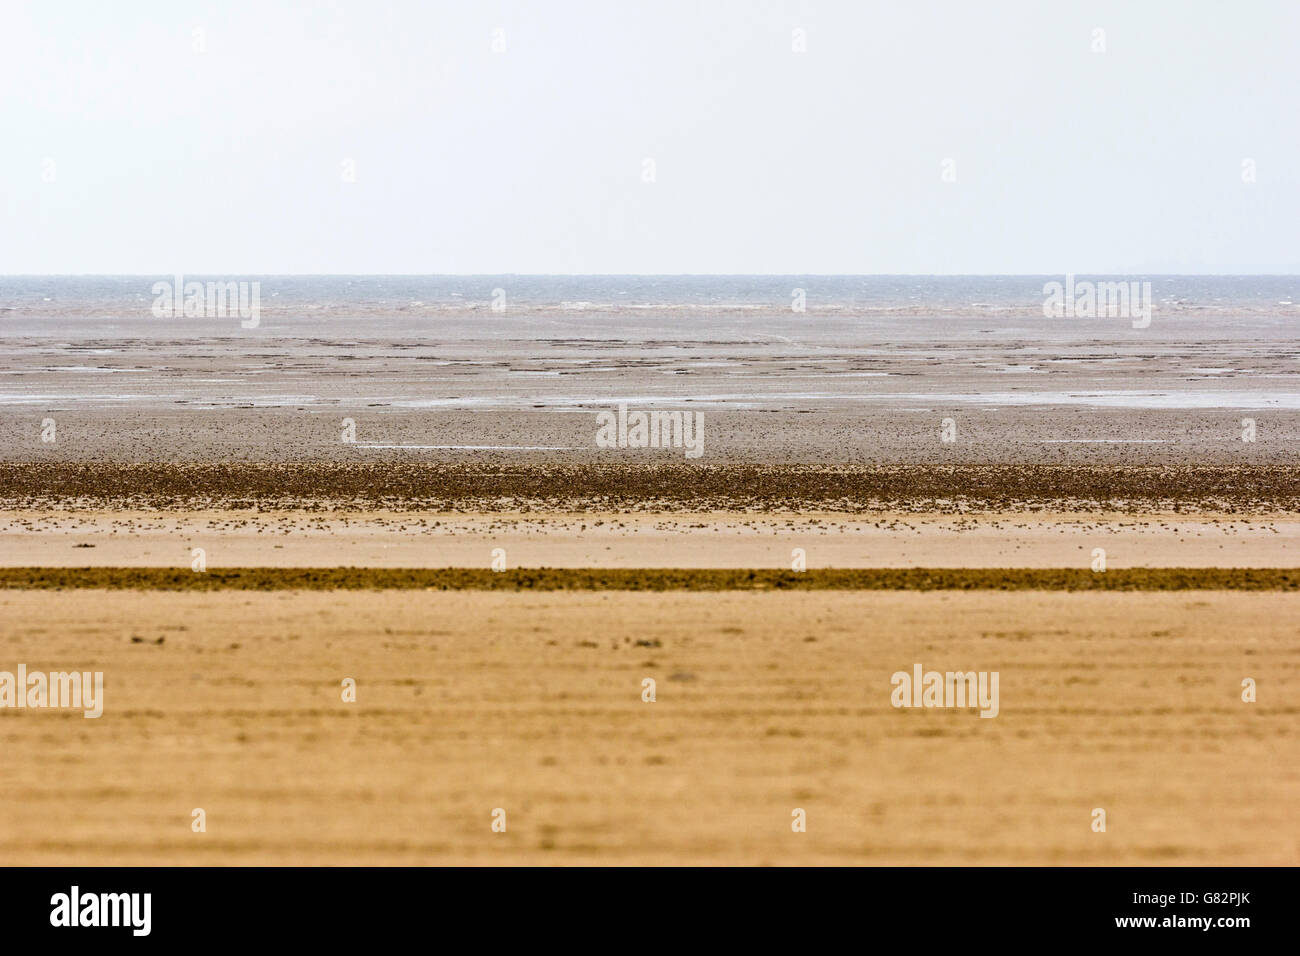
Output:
(885, 348)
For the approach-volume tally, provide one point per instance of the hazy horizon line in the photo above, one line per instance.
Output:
(647, 275)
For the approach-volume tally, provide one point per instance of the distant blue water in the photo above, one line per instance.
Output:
(324, 297)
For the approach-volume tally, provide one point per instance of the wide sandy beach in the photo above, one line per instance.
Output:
(389, 484)
(469, 702)
(477, 692)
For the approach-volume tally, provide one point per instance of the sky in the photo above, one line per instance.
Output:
(162, 136)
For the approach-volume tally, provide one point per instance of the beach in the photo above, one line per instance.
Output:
(468, 702)
(405, 491)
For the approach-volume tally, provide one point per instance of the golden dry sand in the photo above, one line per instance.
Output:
(766, 702)
(295, 538)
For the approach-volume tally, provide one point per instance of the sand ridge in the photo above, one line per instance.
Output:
(404, 485)
(653, 579)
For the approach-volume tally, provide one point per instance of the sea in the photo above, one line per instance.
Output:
(572, 342)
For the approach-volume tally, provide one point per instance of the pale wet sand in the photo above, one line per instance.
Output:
(428, 372)
(860, 432)
(468, 702)
(249, 538)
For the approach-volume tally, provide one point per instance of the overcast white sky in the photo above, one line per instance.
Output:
(531, 160)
